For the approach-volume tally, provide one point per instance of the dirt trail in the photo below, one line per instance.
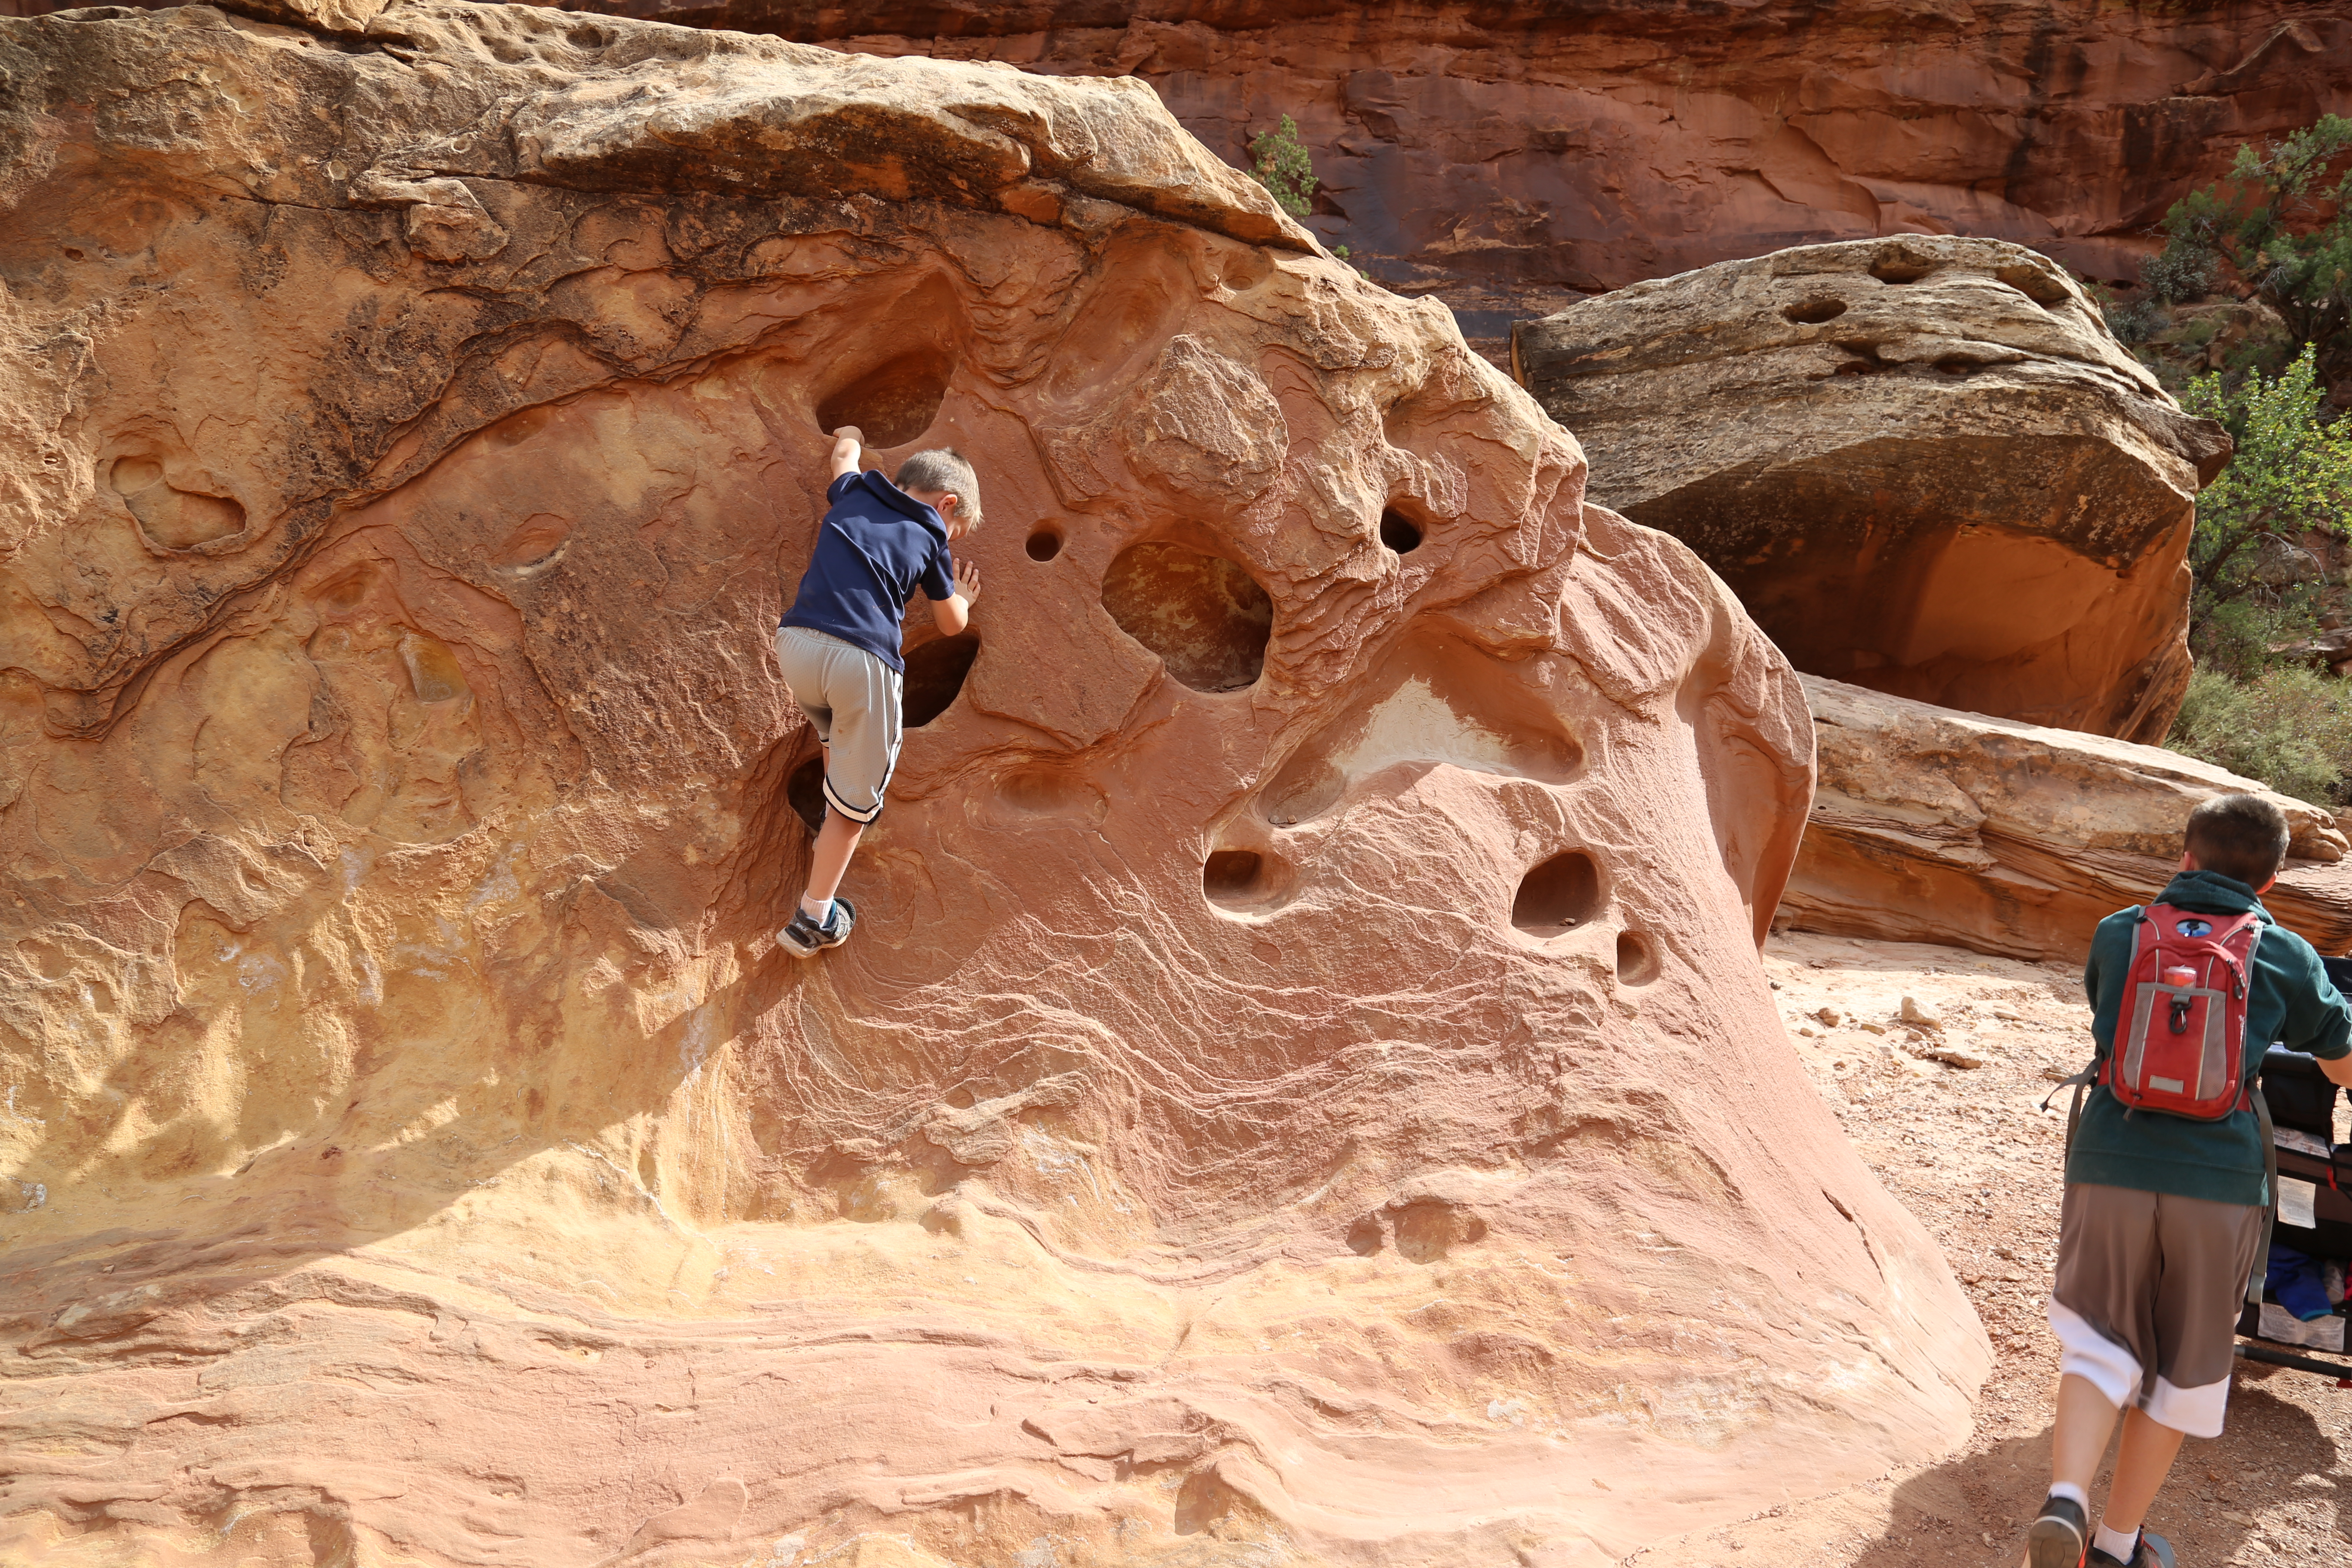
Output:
(1969, 1151)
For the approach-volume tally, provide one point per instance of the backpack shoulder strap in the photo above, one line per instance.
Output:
(2255, 1280)
(2143, 921)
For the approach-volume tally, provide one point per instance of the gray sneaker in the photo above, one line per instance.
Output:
(2150, 1550)
(804, 938)
(2059, 1537)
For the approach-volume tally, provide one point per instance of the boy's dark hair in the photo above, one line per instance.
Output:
(943, 468)
(2242, 836)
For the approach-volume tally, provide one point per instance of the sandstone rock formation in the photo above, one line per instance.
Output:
(1508, 157)
(1924, 465)
(1933, 826)
(1302, 1086)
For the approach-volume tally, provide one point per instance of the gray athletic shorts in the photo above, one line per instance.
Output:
(852, 698)
(2147, 1298)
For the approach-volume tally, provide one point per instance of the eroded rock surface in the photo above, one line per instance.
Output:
(1924, 465)
(1511, 157)
(2009, 838)
(1302, 1084)
(1502, 155)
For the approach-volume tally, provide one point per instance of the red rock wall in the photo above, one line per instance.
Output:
(1508, 156)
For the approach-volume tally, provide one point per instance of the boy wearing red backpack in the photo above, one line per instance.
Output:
(2166, 1185)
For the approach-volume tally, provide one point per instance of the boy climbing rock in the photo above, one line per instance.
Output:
(839, 644)
(2165, 1183)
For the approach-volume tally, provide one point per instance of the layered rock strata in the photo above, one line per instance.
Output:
(1510, 158)
(1924, 465)
(2008, 839)
(1302, 1084)
(1506, 155)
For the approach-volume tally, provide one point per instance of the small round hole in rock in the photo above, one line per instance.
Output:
(1232, 875)
(892, 403)
(1812, 312)
(1637, 960)
(1205, 616)
(804, 792)
(1399, 533)
(1901, 266)
(935, 674)
(1045, 544)
(1559, 895)
(2035, 284)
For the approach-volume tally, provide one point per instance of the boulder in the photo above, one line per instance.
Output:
(1302, 1084)
(1924, 465)
(2009, 838)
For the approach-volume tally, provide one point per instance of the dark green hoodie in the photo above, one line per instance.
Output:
(2290, 1004)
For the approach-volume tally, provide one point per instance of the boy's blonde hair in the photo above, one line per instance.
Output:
(943, 470)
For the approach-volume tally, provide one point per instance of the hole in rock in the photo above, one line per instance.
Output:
(1427, 1228)
(894, 403)
(1044, 544)
(804, 792)
(1398, 532)
(538, 537)
(1559, 895)
(1044, 791)
(1434, 701)
(1898, 265)
(1958, 365)
(1812, 312)
(1637, 960)
(935, 673)
(170, 517)
(2034, 284)
(1234, 878)
(648, 1173)
(1364, 1237)
(130, 475)
(1206, 617)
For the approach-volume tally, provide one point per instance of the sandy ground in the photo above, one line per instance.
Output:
(1971, 1153)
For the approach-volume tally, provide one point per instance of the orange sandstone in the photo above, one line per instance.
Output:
(1303, 1086)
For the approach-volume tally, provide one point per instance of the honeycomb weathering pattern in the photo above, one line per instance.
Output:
(417, 1151)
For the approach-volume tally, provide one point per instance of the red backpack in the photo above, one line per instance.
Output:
(2180, 1040)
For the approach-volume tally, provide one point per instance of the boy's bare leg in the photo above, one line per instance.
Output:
(2085, 1420)
(836, 841)
(2142, 1461)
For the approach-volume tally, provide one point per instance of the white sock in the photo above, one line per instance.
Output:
(2115, 1543)
(2071, 1493)
(817, 910)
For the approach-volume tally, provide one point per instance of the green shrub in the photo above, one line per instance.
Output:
(2252, 217)
(2290, 727)
(1283, 166)
(2290, 476)
(2183, 270)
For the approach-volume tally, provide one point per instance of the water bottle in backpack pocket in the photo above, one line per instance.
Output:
(2181, 1041)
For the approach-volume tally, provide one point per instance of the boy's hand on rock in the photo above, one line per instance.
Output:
(850, 433)
(967, 580)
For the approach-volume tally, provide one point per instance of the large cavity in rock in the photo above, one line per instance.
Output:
(1221, 1126)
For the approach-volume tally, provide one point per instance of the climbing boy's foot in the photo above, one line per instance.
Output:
(2059, 1537)
(804, 938)
(2152, 1551)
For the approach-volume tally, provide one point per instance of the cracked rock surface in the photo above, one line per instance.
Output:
(1303, 1087)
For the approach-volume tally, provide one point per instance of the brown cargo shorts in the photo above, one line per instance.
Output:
(2147, 1298)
